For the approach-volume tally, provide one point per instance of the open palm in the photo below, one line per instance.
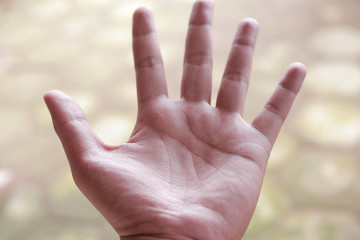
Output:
(189, 170)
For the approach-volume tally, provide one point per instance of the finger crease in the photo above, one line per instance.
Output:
(149, 62)
(243, 43)
(200, 24)
(198, 59)
(275, 110)
(144, 34)
(71, 121)
(235, 76)
(290, 90)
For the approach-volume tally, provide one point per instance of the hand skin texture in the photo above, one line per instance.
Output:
(189, 170)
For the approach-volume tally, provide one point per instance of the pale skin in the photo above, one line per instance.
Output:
(189, 170)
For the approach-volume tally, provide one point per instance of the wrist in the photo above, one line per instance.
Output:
(142, 238)
(184, 227)
(149, 237)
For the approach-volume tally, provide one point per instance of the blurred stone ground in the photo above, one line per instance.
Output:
(311, 188)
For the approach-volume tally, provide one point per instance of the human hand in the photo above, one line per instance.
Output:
(189, 170)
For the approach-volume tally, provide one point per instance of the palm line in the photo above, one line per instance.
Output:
(217, 169)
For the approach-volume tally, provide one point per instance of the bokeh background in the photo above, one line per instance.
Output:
(83, 47)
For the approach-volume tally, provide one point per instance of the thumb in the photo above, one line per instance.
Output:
(71, 126)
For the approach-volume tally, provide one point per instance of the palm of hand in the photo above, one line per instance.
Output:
(185, 160)
(189, 170)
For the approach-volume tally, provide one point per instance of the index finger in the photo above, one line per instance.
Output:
(150, 75)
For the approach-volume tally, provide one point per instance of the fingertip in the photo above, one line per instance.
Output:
(51, 94)
(48, 95)
(294, 77)
(297, 71)
(49, 98)
(143, 21)
(251, 22)
(142, 11)
(298, 68)
(54, 97)
(205, 2)
(247, 32)
(202, 12)
(62, 107)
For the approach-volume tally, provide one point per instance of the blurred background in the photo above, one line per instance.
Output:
(83, 47)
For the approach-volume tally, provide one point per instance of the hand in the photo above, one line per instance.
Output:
(189, 170)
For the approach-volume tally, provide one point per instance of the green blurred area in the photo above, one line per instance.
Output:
(311, 188)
